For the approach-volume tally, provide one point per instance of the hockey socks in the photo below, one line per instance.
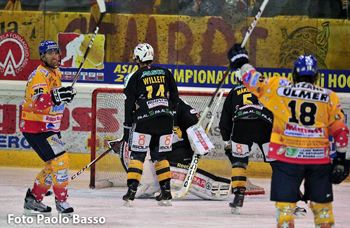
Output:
(284, 214)
(323, 214)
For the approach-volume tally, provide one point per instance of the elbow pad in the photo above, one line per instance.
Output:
(340, 132)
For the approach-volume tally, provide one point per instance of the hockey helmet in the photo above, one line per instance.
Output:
(48, 45)
(144, 52)
(305, 65)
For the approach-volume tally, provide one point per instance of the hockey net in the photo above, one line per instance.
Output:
(107, 124)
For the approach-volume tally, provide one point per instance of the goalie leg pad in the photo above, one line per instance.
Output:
(323, 214)
(204, 184)
(162, 169)
(284, 213)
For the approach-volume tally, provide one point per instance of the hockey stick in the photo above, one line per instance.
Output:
(188, 179)
(102, 7)
(49, 193)
(214, 111)
(195, 159)
(252, 26)
(96, 160)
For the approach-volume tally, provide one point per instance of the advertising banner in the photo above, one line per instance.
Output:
(194, 48)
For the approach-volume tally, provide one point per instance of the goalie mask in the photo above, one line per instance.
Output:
(305, 69)
(144, 52)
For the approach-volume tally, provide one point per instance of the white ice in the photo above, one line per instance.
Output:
(190, 211)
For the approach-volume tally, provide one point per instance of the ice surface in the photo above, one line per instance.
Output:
(190, 211)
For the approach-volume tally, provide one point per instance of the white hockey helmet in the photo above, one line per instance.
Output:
(144, 52)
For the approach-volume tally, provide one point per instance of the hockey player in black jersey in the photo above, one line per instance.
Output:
(180, 158)
(244, 121)
(150, 96)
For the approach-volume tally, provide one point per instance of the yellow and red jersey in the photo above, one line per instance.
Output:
(304, 115)
(39, 113)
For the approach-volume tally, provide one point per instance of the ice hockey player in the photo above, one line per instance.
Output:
(41, 116)
(150, 97)
(304, 117)
(244, 121)
(206, 185)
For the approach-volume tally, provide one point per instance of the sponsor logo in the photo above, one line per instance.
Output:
(247, 78)
(54, 139)
(281, 150)
(306, 153)
(254, 81)
(201, 140)
(157, 102)
(251, 106)
(53, 126)
(284, 82)
(15, 54)
(209, 186)
(52, 118)
(73, 47)
(303, 132)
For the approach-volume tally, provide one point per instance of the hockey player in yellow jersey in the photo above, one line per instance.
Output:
(41, 116)
(304, 117)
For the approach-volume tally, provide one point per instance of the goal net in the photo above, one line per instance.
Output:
(107, 124)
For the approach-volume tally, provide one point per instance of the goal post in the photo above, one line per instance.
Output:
(107, 124)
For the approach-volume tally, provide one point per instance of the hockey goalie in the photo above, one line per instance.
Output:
(204, 185)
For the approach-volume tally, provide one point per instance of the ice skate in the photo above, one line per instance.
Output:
(130, 195)
(32, 207)
(64, 208)
(237, 202)
(299, 212)
(164, 198)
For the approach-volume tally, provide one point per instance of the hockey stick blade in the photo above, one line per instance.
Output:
(189, 178)
(102, 7)
(94, 161)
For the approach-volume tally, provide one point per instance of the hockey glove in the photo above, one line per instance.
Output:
(63, 94)
(116, 149)
(340, 169)
(237, 56)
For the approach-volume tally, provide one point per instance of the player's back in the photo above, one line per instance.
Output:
(301, 119)
(153, 91)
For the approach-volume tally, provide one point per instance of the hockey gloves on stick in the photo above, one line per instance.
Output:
(237, 56)
(63, 94)
(340, 169)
